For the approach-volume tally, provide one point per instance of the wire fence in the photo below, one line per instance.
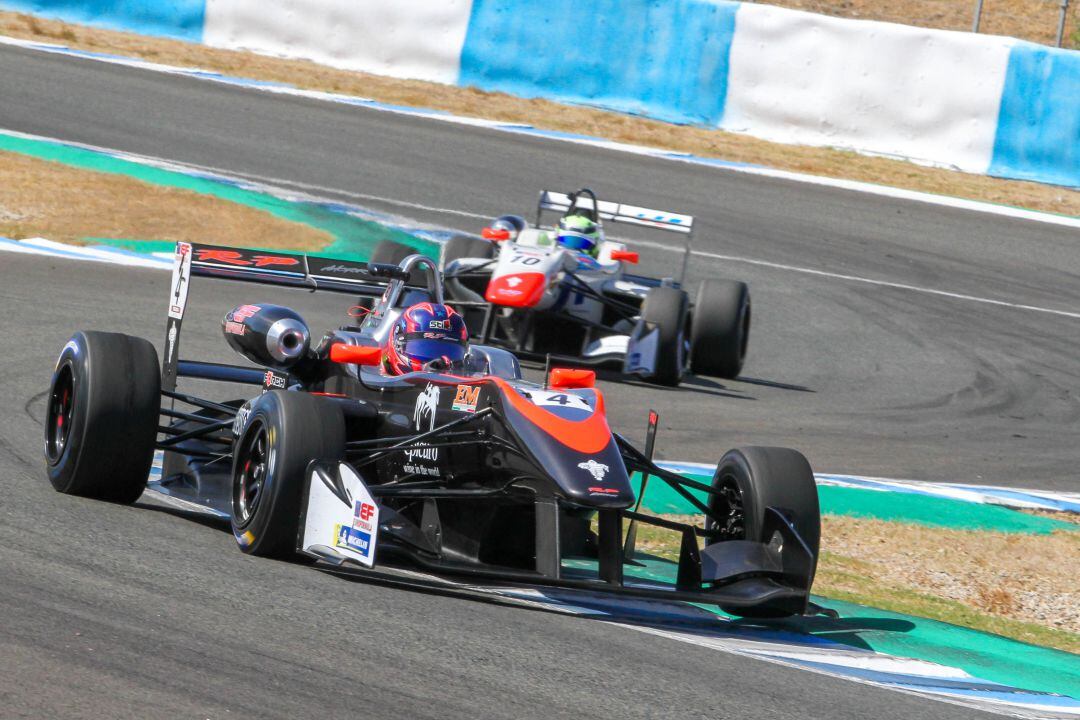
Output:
(1050, 22)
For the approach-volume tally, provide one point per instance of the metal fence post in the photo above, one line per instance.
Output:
(1061, 21)
(978, 15)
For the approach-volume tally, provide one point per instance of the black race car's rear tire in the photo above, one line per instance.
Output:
(721, 328)
(668, 309)
(390, 252)
(284, 431)
(101, 416)
(753, 479)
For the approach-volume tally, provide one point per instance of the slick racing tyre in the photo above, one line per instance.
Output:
(470, 288)
(667, 309)
(284, 431)
(463, 246)
(101, 416)
(390, 253)
(752, 479)
(721, 328)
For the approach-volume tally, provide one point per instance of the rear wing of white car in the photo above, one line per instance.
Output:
(605, 210)
(615, 212)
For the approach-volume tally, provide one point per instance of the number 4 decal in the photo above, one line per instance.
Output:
(566, 400)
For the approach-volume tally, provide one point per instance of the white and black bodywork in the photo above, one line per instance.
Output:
(537, 298)
(473, 474)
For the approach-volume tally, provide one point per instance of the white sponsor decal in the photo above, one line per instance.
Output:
(172, 343)
(597, 470)
(427, 403)
(180, 280)
(241, 419)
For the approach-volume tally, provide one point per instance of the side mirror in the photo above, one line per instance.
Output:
(387, 270)
(625, 256)
(496, 235)
(571, 378)
(355, 354)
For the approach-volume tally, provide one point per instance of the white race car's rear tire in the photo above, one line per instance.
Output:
(721, 328)
(389, 252)
(463, 246)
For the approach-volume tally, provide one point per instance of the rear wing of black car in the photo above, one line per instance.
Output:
(266, 267)
(608, 211)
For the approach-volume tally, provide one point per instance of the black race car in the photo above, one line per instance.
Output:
(478, 474)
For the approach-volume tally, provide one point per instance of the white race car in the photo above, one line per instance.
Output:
(522, 290)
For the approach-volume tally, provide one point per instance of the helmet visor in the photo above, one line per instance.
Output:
(426, 350)
(576, 241)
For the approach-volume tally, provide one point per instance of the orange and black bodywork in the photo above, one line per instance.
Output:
(476, 474)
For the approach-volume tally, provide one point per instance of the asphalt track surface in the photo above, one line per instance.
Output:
(115, 612)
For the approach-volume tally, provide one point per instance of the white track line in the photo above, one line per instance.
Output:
(865, 280)
(308, 189)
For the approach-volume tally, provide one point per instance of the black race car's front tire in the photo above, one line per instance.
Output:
(101, 416)
(721, 328)
(282, 434)
(753, 479)
(667, 309)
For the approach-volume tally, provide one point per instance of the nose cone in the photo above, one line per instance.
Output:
(599, 480)
(516, 290)
(567, 435)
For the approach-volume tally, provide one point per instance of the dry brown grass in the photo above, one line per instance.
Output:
(1021, 586)
(541, 113)
(39, 198)
(1034, 20)
(1023, 577)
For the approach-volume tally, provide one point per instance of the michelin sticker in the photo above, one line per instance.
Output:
(358, 537)
(598, 470)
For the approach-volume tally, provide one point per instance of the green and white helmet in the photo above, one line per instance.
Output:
(578, 232)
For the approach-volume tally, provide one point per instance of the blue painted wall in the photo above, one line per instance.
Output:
(180, 19)
(1038, 136)
(667, 59)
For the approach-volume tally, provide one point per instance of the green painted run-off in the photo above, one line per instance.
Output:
(353, 237)
(892, 506)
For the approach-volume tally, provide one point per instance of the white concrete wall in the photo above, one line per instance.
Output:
(928, 95)
(419, 39)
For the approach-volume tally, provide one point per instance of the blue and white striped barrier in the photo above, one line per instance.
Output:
(978, 103)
